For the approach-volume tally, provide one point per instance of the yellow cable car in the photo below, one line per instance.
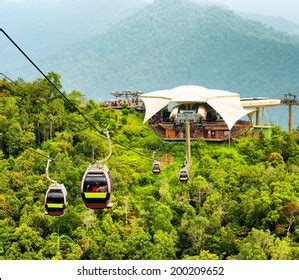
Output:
(184, 175)
(156, 167)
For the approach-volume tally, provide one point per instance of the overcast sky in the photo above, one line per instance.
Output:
(288, 9)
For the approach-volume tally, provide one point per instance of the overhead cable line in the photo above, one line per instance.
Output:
(45, 156)
(8, 78)
(45, 76)
(65, 97)
(38, 153)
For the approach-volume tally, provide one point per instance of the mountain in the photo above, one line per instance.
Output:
(160, 45)
(156, 48)
(277, 23)
(44, 27)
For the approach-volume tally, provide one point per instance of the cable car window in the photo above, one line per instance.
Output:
(55, 196)
(99, 179)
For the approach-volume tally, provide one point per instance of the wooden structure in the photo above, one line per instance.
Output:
(213, 132)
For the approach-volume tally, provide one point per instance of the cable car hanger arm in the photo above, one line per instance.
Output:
(47, 171)
(99, 162)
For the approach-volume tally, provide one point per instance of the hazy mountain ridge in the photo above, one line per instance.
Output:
(277, 23)
(46, 28)
(156, 47)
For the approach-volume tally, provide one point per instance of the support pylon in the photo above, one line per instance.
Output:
(188, 142)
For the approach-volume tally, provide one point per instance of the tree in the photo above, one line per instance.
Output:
(93, 144)
(203, 255)
(290, 211)
(257, 246)
(26, 244)
(164, 246)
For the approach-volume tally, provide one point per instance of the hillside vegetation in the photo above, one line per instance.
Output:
(241, 202)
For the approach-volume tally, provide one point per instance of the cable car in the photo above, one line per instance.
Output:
(184, 175)
(96, 187)
(55, 200)
(156, 167)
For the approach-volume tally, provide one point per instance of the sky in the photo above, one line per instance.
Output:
(288, 9)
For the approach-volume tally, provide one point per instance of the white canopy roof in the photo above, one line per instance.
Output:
(227, 104)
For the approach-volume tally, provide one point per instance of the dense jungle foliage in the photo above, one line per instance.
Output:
(241, 202)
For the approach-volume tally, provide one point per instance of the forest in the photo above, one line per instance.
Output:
(241, 202)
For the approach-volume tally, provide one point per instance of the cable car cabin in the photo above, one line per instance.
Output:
(184, 176)
(55, 200)
(156, 168)
(96, 187)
